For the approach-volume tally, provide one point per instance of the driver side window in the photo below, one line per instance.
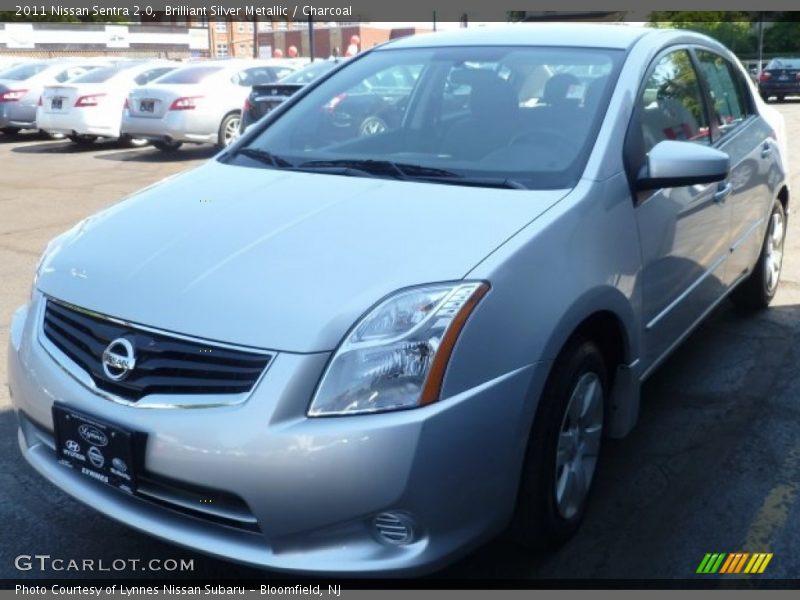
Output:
(672, 103)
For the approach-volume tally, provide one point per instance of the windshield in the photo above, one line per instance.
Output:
(525, 115)
(25, 71)
(97, 75)
(784, 63)
(309, 73)
(190, 75)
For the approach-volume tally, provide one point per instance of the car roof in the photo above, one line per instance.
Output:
(610, 35)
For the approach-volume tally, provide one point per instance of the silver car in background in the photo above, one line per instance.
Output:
(200, 104)
(90, 106)
(21, 87)
(329, 352)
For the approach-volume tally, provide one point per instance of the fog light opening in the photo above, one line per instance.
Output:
(395, 529)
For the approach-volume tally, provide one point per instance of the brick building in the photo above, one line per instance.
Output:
(328, 38)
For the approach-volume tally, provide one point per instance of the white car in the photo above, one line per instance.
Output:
(90, 106)
(21, 87)
(200, 103)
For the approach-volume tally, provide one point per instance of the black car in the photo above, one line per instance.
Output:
(264, 98)
(781, 78)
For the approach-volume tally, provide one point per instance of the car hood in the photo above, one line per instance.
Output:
(274, 259)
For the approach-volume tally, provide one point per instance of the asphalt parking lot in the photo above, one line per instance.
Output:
(713, 466)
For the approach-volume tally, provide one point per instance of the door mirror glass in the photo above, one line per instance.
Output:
(674, 164)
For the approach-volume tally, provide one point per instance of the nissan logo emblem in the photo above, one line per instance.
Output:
(93, 435)
(96, 457)
(119, 359)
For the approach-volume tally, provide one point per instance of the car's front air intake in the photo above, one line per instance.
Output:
(143, 362)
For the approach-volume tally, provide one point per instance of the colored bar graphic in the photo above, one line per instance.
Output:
(711, 563)
(727, 564)
(736, 562)
(764, 564)
(741, 562)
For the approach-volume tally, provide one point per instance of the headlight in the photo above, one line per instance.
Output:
(396, 356)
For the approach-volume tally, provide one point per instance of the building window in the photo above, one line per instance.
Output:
(220, 27)
(265, 25)
(222, 50)
(249, 28)
(240, 27)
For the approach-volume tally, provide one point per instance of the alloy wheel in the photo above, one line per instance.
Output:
(774, 258)
(579, 445)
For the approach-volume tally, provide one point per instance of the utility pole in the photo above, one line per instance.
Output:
(760, 43)
(311, 36)
(255, 36)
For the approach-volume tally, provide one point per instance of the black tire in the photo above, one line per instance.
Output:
(755, 292)
(228, 130)
(132, 142)
(167, 146)
(538, 523)
(10, 130)
(83, 140)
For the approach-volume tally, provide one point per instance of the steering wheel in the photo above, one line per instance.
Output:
(547, 137)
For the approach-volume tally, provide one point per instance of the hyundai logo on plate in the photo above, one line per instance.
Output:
(93, 435)
(119, 359)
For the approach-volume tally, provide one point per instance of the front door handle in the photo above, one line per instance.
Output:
(724, 190)
(766, 150)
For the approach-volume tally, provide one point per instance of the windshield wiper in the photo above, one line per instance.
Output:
(350, 166)
(385, 168)
(488, 182)
(264, 156)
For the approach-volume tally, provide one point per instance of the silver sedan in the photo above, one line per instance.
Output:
(330, 352)
(200, 103)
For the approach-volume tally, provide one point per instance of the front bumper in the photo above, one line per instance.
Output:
(188, 126)
(308, 489)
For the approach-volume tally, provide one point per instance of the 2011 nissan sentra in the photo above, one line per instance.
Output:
(341, 353)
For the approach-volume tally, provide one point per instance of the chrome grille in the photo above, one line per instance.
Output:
(164, 364)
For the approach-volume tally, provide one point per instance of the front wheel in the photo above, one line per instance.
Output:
(757, 291)
(10, 130)
(563, 449)
(372, 125)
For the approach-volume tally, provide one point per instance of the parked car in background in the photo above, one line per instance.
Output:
(265, 97)
(376, 352)
(90, 106)
(6, 62)
(199, 104)
(22, 86)
(779, 79)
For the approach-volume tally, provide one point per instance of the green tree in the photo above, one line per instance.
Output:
(782, 37)
(732, 28)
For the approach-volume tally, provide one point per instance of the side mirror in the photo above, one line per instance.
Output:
(674, 164)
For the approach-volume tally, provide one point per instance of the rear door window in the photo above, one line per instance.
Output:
(729, 105)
